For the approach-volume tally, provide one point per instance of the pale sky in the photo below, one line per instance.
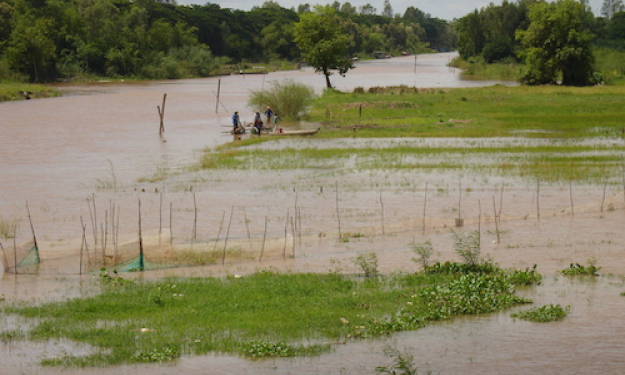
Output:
(444, 9)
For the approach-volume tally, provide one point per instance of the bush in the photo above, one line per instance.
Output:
(288, 99)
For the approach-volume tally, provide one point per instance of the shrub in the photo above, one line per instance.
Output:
(288, 99)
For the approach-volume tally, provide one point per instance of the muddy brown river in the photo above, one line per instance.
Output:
(75, 160)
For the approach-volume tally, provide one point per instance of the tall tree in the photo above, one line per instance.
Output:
(387, 10)
(611, 7)
(556, 43)
(323, 44)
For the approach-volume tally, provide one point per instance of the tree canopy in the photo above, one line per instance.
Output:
(323, 44)
(557, 43)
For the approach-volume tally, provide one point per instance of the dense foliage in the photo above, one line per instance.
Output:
(553, 39)
(45, 40)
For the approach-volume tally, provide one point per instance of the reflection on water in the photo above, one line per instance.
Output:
(101, 144)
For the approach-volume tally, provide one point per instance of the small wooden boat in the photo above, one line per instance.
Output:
(239, 130)
(286, 132)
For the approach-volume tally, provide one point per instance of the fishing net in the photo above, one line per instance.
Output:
(22, 258)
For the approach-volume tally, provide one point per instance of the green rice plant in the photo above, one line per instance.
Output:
(576, 269)
(368, 263)
(543, 314)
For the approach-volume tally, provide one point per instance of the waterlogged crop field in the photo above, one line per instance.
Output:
(362, 220)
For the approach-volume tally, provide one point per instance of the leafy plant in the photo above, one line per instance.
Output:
(368, 263)
(288, 99)
(577, 269)
(424, 251)
(467, 246)
(403, 363)
(166, 353)
(267, 349)
(527, 277)
(548, 313)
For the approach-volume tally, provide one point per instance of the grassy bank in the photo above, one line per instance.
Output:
(22, 91)
(551, 133)
(498, 111)
(264, 314)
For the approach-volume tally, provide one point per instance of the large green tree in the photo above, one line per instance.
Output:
(323, 44)
(557, 44)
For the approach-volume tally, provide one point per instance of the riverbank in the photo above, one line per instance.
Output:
(25, 91)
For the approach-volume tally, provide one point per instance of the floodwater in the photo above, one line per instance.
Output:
(75, 159)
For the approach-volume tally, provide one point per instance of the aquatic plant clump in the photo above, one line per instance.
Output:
(548, 313)
(261, 315)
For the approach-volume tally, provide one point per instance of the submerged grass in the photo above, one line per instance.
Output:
(264, 314)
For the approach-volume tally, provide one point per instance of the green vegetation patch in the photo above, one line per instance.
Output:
(546, 111)
(264, 314)
(22, 91)
(543, 314)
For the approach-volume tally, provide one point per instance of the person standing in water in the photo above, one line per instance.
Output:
(236, 122)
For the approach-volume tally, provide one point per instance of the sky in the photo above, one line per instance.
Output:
(443, 9)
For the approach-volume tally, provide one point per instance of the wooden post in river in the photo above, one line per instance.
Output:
(161, 114)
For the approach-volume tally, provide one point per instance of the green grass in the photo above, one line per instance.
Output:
(564, 115)
(264, 314)
(550, 111)
(12, 91)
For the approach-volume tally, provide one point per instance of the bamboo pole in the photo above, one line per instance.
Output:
(194, 218)
(425, 201)
(605, 185)
(218, 93)
(247, 227)
(223, 257)
(500, 201)
(496, 223)
(223, 216)
(141, 260)
(286, 231)
(571, 198)
(262, 249)
(338, 214)
(382, 213)
(171, 227)
(538, 199)
(32, 227)
(292, 231)
(161, 114)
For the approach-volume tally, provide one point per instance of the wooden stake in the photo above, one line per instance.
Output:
(286, 231)
(218, 93)
(262, 249)
(605, 185)
(220, 226)
(538, 199)
(571, 197)
(223, 257)
(500, 202)
(425, 201)
(382, 213)
(496, 223)
(161, 114)
(338, 214)
(32, 228)
(195, 218)
(141, 260)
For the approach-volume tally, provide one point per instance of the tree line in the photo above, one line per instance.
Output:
(47, 40)
(554, 39)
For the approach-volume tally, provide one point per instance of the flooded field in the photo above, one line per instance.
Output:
(83, 162)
